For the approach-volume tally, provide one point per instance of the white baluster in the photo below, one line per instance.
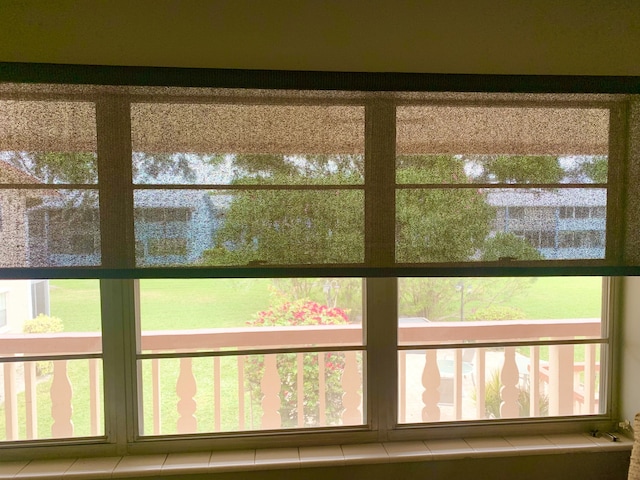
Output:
(431, 383)
(509, 391)
(351, 414)
(270, 385)
(186, 390)
(61, 394)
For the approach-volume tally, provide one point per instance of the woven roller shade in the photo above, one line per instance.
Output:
(499, 130)
(40, 126)
(294, 129)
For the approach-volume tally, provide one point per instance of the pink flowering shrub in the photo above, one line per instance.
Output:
(299, 313)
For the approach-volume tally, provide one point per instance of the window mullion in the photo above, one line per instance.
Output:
(113, 123)
(630, 189)
(381, 293)
(615, 238)
(380, 154)
(113, 126)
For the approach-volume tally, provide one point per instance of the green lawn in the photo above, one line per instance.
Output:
(561, 297)
(201, 303)
(215, 303)
(77, 303)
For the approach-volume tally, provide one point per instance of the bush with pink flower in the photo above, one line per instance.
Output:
(301, 313)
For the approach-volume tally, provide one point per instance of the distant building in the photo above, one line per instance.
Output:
(177, 226)
(171, 227)
(14, 204)
(561, 223)
(22, 300)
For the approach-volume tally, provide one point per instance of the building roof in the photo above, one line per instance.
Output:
(12, 174)
(561, 197)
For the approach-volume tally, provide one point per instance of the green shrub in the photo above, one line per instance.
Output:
(492, 398)
(301, 312)
(497, 312)
(43, 324)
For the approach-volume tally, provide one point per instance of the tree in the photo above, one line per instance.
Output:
(292, 227)
(439, 299)
(438, 225)
(285, 227)
(177, 167)
(325, 226)
(56, 167)
(507, 245)
(521, 168)
(82, 167)
(596, 169)
(295, 169)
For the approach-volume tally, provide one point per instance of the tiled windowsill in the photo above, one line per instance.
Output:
(184, 464)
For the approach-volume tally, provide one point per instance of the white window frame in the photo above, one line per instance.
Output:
(3, 310)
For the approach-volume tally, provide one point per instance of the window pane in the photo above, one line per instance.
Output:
(457, 310)
(202, 227)
(251, 392)
(51, 317)
(222, 144)
(49, 228)
(523, 131)
(456, 225)
(59, 399)
(502, 382)
(47, 142)
(251, 314)
(214, 314)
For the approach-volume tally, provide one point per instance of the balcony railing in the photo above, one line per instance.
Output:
(425, 377)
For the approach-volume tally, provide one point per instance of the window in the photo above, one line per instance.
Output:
(472, 350)
(167, 246)
(159, 215)
(516, 213)
(269, 265)
(53, 361)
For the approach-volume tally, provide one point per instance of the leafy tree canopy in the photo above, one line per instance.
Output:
(596, 169)
(297, 169)
(523, 169)
(507, 245)
(327, 226)
(439, 299)
(56, 167)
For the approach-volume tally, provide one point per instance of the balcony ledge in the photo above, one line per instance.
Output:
(198, 463)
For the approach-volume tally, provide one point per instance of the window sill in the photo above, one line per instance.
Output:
(306, 457)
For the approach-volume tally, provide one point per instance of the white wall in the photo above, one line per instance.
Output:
(596, 37)
(630, 354)
(18, 294)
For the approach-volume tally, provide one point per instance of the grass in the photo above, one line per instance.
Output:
(215, 303)
(561, 297)
(77, 303)
(77, 370)
(165, 304)
(201, 303)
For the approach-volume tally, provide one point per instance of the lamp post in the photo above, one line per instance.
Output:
(460, 288)
(330, 290)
